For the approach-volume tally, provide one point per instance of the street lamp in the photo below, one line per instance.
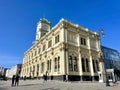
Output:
(101, 31)
(101, 35)
(102, 77)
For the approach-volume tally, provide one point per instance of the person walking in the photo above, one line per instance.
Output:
(24, 78)
(66, 77)
(107, 82)
(44, 77)
(17, 80)
(13, 80)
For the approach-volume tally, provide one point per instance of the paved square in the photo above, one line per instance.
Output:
(55, 85)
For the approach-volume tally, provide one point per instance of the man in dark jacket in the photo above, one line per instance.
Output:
(17, 80)
(13, 79)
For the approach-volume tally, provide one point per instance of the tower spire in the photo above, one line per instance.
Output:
(43, 26)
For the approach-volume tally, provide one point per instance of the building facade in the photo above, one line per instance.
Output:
(13, 71)
(1, 71)
(65, 50)
(112, 63)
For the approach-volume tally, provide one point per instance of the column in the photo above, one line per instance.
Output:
(91, 68)
(80, 66)
(79, 61)
(52, 65)
(66, 52)
(39, 68)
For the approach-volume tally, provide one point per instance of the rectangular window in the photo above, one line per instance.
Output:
(83, 41)
(72, 37)
(49, 43)
(57, 39)
(44, 46)
(93, 43)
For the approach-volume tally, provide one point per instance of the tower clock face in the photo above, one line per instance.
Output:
(45, 26)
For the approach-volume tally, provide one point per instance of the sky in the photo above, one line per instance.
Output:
(18, 19)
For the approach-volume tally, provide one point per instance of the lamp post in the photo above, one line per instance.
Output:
(101, 35)
(102, 73)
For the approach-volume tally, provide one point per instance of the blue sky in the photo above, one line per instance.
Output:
(18, 20)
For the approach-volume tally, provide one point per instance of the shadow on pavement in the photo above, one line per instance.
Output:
(50, 89)
(3, 88)
(28, 85)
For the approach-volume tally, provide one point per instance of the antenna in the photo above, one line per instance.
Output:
(44, 15)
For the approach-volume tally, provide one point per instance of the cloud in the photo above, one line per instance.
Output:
(8, 61)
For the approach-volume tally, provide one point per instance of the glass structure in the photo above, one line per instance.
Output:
(112, 60)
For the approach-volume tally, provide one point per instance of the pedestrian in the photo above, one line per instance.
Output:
(17, 80)
(51, 77)
(66, 77)
(13, 80)
(44, 77)
(91, 78)
(24, 78)
(107, 82)
(114, 82)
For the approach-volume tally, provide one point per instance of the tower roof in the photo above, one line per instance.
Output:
(45, 20)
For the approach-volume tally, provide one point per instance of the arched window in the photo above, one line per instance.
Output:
(70, 63)
(39, 50)
(35, 53)
(87, 65)
(55, 65)
(50, 65)
(97, 65)
(58, 63)
(83, 65)
(93, 62)
(75, 64)
(42, 67)
(37, 69)
(33, 72)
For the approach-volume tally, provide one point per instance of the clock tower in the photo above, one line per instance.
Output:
(43, 26)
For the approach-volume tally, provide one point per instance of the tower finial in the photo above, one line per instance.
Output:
(44, 16)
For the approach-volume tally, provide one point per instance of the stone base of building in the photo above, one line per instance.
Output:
(73, 78)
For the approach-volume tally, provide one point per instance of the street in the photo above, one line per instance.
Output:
(55, 85)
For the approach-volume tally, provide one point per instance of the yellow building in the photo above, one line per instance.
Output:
(66, 50)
